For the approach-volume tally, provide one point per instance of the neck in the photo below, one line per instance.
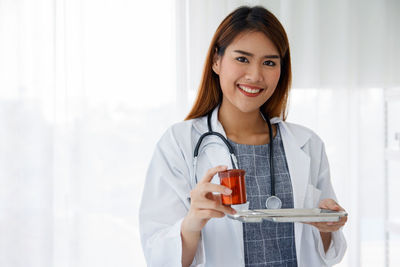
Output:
(238, 123)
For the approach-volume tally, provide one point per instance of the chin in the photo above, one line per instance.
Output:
(247, 108)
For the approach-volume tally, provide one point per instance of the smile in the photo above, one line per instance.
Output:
(252, 92)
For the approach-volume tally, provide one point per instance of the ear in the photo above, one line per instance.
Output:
(216, 62)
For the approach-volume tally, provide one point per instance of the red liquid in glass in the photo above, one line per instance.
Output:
(233, 179)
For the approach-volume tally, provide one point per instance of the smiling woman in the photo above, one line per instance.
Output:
(245, 82)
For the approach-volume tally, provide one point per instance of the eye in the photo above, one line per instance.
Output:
(269, 63)
(242, 59)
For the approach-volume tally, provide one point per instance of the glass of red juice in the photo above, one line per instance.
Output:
(234, 180)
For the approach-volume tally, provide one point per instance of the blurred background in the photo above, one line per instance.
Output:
(87, 87)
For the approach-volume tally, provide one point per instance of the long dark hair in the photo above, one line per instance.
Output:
(241, 20)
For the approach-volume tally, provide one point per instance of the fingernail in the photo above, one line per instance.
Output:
(227, 191)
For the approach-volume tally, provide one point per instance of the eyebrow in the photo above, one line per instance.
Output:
(251, 55)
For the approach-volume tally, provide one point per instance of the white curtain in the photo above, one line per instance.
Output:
(86, 89)
(344, 55)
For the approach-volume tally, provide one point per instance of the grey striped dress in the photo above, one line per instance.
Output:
(267, 243)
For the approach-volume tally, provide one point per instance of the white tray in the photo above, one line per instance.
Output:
(288, 215)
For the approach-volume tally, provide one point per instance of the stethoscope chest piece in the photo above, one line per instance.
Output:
(273, 202)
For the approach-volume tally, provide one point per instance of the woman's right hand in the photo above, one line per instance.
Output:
(204, 205)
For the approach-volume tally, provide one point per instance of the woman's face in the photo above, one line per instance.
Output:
(248, 71)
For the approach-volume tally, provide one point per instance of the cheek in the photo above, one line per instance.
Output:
(276, 75)
(229, 76)
(272, 79)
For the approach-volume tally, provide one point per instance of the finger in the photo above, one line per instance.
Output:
(325, 227)
(211, 172)
(214, 205)
(208, 214)
(217, 205)
(320, 225)
(329, 204)
(334, 224)
(332, 205)
(342, 221)
(215, 188)
(328, 230)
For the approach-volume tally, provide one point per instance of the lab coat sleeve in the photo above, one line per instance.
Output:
(338, 244)
(163, 205)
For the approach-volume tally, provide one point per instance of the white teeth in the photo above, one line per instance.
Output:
(249, 90)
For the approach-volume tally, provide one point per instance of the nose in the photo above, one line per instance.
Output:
(254, 73)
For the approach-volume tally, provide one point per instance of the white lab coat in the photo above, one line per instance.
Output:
(170, 178)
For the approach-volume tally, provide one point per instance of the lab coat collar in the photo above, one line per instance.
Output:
(201, 126)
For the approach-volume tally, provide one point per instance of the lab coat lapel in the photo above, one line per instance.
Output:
(298, 163)
(299, 168)
(217, 152)
(213, 147)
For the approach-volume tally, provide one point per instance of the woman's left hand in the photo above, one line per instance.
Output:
(327, 227)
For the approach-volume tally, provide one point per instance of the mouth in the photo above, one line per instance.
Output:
(249, 91)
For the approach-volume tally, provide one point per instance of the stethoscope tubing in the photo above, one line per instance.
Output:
(231, 151)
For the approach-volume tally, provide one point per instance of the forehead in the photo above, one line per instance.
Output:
(256, 43)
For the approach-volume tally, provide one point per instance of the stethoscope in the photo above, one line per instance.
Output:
(272, 202)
